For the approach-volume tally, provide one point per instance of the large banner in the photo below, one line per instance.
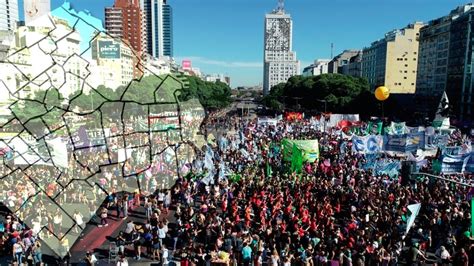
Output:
(59, 155)
(397, 128)
(367, 144)
(336, 118)
(382, 166)
(435, 141)
(309, 149)
(404, 142)
(267, 121)
(451, 164)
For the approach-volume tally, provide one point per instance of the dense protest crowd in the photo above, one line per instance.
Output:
(247, 208)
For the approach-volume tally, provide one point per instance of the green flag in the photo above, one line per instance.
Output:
(268, 170)
(235, 178)
(369, 128)
(296, 160)
(379, 128)
(436, 167)
(472, 216)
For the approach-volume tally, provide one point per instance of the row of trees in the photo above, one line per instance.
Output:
(327, 92)
(50, 104)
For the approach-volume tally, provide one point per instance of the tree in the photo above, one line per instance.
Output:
(212, 95)
(48, 104)
(341, 93)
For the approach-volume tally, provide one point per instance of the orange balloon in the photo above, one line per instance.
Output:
(382, 93)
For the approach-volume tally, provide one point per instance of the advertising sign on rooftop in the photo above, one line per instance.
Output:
(109, 50)
(186, 64)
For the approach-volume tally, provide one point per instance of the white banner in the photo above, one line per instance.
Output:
(267, 122)
(58, 149)
(124, 154)
(336, 118)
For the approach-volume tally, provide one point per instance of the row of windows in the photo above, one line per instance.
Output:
(406, 59)
(399, 84)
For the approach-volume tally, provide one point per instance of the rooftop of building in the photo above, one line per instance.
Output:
(391, 35)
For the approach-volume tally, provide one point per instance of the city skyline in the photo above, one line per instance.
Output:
(219, 47)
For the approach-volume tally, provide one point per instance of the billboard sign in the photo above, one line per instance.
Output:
(109, 50)
(186, 64)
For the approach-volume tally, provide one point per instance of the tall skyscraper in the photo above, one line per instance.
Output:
(159, 27)
(8, 14)
(279, 60)
(124, 20)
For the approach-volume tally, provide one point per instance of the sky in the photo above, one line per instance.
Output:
(226, 36)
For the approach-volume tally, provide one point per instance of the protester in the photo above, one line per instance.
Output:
(241, 203)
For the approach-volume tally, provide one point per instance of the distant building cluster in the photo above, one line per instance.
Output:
(146, 24)
(137, 40)
(422, 59)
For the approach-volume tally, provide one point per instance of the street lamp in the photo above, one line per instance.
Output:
(297, 98)
(325, 104)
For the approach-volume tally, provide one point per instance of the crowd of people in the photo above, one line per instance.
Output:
(254, 211)
(336, 213)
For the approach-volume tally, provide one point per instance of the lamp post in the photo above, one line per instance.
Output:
(297, 98)
(325, 104)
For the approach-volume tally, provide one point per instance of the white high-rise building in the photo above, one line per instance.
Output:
(159, 27)
(279, 60)
(8, 14)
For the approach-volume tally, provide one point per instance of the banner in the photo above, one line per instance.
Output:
(405, 142)
(267, 122)
(367, 144)
(223, 143)
(296, 160)
(387, 168)
(397, 128)
(455, 163)
(415, 141)
(382, 166)
(29, 153)
(81, 140)
(419, 160)
(59, 154)
(124, 154)
(435, 141)
(308, 148)
(334, 119)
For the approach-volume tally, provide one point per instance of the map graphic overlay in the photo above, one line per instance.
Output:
(88, 118)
